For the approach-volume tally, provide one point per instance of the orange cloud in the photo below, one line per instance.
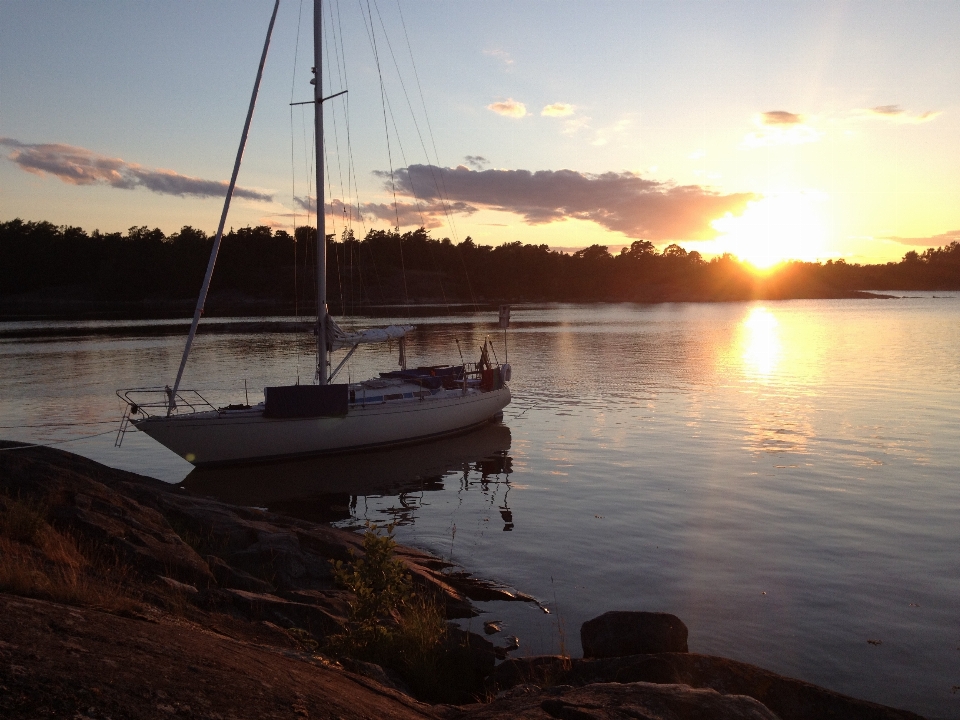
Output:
(508, 108)
(897, 114)
(623, 202)
(420, 213)
(780, 117)
(937, 241)
(779, 127)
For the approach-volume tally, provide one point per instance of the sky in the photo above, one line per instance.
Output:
(773, 130)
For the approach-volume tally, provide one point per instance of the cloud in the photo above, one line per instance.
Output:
(623, 202)
(780, 117)
(888, 110)
(477, 162)
(557, 110)
(897, 114)
(79, 166)
(428, 214)
(508, 108)
(927, 242)
(501, 55)
(779, 127)
(575, 125)
(618, 130)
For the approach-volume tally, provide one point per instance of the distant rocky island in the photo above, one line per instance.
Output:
(125, 597)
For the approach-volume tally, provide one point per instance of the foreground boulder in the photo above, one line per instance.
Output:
(619, 633)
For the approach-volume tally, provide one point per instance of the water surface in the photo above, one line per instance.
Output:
(782, 476)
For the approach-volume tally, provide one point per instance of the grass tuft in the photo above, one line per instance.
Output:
(38, 560)
(22, 520)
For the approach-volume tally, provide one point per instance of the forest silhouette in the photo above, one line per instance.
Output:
(62, 271)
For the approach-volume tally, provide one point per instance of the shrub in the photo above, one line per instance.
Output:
(393, 626)
(379, 582)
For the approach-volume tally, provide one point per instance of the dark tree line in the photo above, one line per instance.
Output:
(64, 270)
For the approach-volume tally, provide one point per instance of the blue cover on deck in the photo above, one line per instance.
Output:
(303, 401)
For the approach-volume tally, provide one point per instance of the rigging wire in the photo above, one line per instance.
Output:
(383, 106)
(442, 192)
(342, 70)
(418, 201)
(413, 190)
(351, 169)
(338, 250)
(59, 442)
(330, 31)
(352, 189)
(293, 183)
(413, 115)
(386, 129)
(325, 28)
(444, 195)
(46, 425)
(311, 262)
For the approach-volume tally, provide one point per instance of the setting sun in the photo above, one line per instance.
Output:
(778, 227)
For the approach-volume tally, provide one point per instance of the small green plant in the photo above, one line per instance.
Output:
(304, 639)
(395, 627)
(380, 583)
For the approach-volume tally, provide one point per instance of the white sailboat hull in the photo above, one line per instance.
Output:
(237, 436)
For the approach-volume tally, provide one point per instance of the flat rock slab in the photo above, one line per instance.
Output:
(788, 698)
(146, 522)
(619, 633)
(60, 661)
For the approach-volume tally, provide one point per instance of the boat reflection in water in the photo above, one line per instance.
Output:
(326, 488)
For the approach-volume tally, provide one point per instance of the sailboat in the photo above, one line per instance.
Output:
(400, 407)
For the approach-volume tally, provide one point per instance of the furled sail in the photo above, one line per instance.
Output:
(338, 338)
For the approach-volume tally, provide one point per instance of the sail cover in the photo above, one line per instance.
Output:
(338, 338)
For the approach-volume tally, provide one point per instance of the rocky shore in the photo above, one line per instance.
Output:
(122, 597)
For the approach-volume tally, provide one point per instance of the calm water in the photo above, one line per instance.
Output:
(785, 477)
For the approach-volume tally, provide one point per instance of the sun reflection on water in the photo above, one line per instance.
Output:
(762, 346)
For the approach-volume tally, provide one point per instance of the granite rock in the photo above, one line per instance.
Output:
(619, 633)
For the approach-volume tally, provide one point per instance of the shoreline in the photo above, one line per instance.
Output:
(253, 322)
(199, 605)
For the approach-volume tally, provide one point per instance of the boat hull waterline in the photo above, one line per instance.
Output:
(238, 436)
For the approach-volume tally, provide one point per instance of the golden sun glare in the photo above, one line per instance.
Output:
(778, 227)
(762, 348)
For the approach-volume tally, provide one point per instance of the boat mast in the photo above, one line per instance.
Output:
(322, 361)
(201, 301)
